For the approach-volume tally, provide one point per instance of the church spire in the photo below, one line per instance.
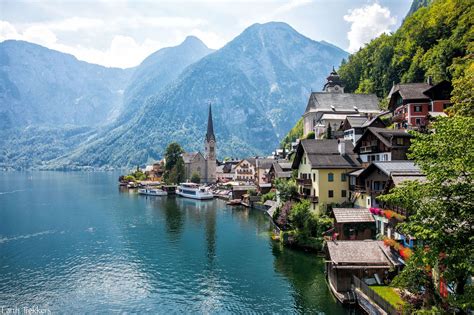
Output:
(210, 127)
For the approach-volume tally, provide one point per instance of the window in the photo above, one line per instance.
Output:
(399, 141)
(430, 107)
(304, 160)
(417, 108)
(446, 105)
(330, 193)
(343, 177)
(330, 178)
(417, 121)
(343, 193)
(314, 177)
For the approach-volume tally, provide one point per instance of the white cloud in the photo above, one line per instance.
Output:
(123, 51)
(367, 23)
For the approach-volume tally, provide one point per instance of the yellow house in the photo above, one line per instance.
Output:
(323, 166)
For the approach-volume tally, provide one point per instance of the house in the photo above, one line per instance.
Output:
(203, 165)
(354, 126)
(155, 171)
(413, 104)
(245, 171)
(366, 260)
(262, 166)
(322, 166)
(330, 107)
(353, 223)
(377, 179)
(279, 169)
(380, 144)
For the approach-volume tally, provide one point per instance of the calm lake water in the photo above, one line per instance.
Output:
(74, 243)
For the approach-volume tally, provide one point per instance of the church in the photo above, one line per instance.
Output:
(203, 165)
(331, 107)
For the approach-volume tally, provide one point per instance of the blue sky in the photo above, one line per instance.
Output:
(122, 33)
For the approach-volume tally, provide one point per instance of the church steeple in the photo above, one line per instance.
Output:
(333, 83)
(210, 126)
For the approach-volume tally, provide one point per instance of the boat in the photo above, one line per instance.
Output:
(194, 191)
(152, 192)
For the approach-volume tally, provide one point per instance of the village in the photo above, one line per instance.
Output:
(322, 193)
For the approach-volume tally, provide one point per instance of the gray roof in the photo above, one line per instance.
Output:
(342, 102)
(410, 90)
(356, 121)
(391, 168)
(264, 163)
(324, 153)
(366, 252)
(350, 215)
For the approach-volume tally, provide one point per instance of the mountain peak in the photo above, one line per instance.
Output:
(193, 40)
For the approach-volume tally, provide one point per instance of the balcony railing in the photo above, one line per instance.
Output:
(368, 149)
(399, 118)
(313, 199)
(304, 181)
(357, 188)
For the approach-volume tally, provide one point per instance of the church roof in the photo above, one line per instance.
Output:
(210, 127)
(342, 102)
(333, 79)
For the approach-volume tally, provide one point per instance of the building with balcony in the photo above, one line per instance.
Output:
(245, 171)
(377, 179)
(279, 169)
(322, 166)
(354, 126)
(413, 104)
(380, 144)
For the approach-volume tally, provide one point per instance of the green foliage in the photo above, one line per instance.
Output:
(252, 192)
(295, 133)
(441, 207)
(428, 43)
(390, 295)
(286, 189)
(310, 135)
(268, 196)
(300, 213)
(195, 178)
(174, 166)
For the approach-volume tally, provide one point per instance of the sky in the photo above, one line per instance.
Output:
(121, 33)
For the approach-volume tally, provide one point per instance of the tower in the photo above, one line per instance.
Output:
(210, 145)
(333, 83)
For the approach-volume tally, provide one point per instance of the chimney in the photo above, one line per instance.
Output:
(341, 146)
(430, 80)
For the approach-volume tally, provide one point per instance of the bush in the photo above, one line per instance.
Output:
(268, 196)
(195, 178)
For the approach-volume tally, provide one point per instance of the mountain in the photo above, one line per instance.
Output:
(40, 86)
(416, 4)
(159, 69)
(51, 103)
(258, 85)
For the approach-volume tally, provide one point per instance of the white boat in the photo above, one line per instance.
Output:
(194, 191)
(152, 192)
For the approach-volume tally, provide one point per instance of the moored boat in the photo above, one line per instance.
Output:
(194, 191)
(152, 192)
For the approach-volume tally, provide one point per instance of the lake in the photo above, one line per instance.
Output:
(76, 243)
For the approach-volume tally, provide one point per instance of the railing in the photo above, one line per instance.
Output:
(380, 301)
(368, 149)
(399, 117)
(357, 188)
(304, 181)
(313, 199)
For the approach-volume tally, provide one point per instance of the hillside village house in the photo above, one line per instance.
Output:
(379, 144)
(279, 169)
(377, 179)
(354, 126)
(322, 167)
(262, 166)
(245, 170)
(203, 165)
(413, 103)
(353, 224)
(332, 106)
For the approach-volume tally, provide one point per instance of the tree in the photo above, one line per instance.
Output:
(440, 209)
(286, 189)
(174, 166)
(310, 135)
(195, 178)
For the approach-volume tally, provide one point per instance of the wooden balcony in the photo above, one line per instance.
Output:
(399, 118)
(368, 149)
(307, 182)
(313, 199)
